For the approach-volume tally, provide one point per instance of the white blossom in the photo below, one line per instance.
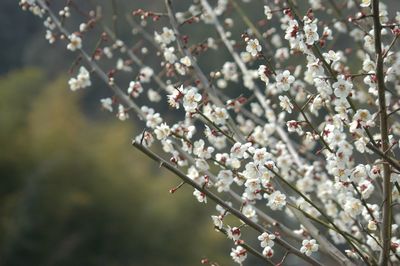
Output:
(162, 131)
(311, 34)
(284, 80)
(81, 81)
(262, 70)
(135, 89)
(166, 37)
(309, 246)
(191, 100)
(122, 113)
(145, 74)
(217, 220)
(353, 207)
(285, 103)
(75, 42)
(233, 233)
(169, 55)
(268, 12)
(239, 254)
(342, 88)
(253, 47)
(268, 252)
(107, 103)
(186, 61)
(267, 240)
(276, 201)
(200, 196)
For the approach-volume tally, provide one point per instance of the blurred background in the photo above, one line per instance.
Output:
(73, 191)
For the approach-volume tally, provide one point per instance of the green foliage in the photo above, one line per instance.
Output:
(74, 192)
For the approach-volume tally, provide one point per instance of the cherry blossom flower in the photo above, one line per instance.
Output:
(362, 118)
(135, 89)
(268, 12)
(75, 42)
(311, 34)
(202, 164)
(276, 200)
(201, 151)
(267, 240)
(285, 103)
(224, 180)
(175, 97)
(219, 115)
(186, 61)
(253, 47)
(81, 81)
(294, 126)
(191, 100)
(169, 55)
(123, 66)
(309, 246)
(107, 103)
(50, 36)
(239, 150)
(145, 74)
(229, 70)
(167, 36)
(122, 113)
(162, 131)
(153, 119)
(233, 233)
(262, 72)
(342, 87)
(369, 42)
(249, 212)
(353, 207)
(83, 27)
(200, 196)
(268, 252)
(284, 80)
(331, 56)
(239, 254)
(217, 220)
(260, 156)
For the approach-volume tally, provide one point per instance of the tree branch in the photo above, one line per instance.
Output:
(221, 202)
(387, 185)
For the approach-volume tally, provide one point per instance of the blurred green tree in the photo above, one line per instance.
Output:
(73, 191)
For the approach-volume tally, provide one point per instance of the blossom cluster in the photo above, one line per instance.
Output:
(308, 136)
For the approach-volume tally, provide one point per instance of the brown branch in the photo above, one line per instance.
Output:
(249, 248)
(387, 185)
(119, 93)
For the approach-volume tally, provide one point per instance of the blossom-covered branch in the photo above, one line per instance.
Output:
(295, 120)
